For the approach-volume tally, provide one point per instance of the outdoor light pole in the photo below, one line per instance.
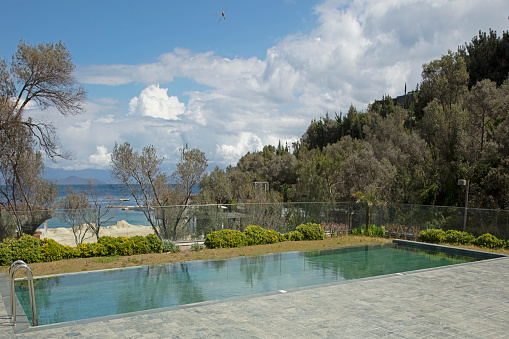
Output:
(463, 182)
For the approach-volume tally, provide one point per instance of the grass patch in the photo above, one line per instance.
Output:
(105, 260)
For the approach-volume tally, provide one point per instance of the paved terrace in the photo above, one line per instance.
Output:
(462, 301)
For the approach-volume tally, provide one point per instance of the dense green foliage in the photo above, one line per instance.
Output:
(170, 246)
(372, 231)
(436, 236)
(256, 235)
(30, 249)
(311, 231)
(489, 241)
(454, 125)
(225, 239)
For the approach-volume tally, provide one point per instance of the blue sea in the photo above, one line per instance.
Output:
(108, 195)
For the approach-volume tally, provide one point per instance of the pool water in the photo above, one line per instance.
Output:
(94, 294)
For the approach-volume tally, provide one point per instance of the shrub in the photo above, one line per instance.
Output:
(255, 235)
(372, 231)
(109, 244)
(225, 238)
(52, 251)
(26, 248)
(433, 236)
(294, 236)
(86, 250)
(311, 231)
(140, 245)
(458, 237)
(197, 247)
(170, 246)
(488, 241)
(154, 243)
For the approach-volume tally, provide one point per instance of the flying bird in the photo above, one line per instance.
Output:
(222, 14)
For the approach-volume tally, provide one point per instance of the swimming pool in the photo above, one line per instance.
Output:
(93, 294)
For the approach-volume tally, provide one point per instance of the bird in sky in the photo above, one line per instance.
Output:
(222, 14)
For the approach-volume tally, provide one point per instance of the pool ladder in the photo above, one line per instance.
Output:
(30, 279)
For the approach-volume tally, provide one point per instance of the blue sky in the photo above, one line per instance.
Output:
(166, 73)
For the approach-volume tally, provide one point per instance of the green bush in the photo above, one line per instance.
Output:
(140, 245)
(489, 241)
(274, 237)
(311, 231)
(372, 231)
(154, 243)
(433, 236)
(255, 235)
(458, 237)
(170, 246)
(87, 250)
(109, 244)
(53, 251)
(225, 238)
(197, 247)
(26, 248)
(294, 236)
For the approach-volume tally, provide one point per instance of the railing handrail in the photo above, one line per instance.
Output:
(30, 279)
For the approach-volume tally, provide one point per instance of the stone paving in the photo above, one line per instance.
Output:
(461, 301)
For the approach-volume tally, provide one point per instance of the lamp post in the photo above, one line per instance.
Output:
(463, 182)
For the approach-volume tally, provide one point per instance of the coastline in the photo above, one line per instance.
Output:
(65, 236)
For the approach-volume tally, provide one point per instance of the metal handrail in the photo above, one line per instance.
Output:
(30, 279)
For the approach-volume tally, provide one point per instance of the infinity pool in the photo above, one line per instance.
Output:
(94, 294)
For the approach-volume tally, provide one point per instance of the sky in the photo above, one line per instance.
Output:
(175, 73)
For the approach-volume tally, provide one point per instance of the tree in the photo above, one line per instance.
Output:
(163, 200)
(487, 57)
(99, 214)
(41, 74)
(445, 80)
(217, 187)
(369, 199)
(73, 209)
(486, 111)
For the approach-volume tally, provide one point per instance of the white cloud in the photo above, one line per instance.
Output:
(246, 142)
(101, 159)
(358, 51)
(154, 102)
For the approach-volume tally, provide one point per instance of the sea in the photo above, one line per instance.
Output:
(107, 195)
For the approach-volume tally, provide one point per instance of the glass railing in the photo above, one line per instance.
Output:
(193, 222)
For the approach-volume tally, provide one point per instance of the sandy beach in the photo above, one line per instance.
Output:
(65, 236)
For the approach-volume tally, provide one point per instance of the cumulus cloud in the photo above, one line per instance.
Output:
(154, 102)
(246, 142)
(101, 159)
(358, 51)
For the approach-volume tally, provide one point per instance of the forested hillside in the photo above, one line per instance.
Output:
(454, 125)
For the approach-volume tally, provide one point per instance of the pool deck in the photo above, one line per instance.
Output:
(461, 301)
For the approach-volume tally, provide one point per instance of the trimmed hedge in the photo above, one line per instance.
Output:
(30, 249)
(225, 239)
(256, 235)
(311, 231)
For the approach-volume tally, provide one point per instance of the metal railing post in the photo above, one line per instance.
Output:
(30, 279)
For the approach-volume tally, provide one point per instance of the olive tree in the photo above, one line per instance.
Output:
(163, 199)
(41, 75)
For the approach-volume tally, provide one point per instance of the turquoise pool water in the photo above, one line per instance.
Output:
(87, 295)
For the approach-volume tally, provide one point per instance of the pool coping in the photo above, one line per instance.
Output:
(23, 325)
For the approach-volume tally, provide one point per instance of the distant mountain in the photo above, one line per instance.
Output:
(74, 180)
(58, 174)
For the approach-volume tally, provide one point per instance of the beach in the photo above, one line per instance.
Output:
(65, 236)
